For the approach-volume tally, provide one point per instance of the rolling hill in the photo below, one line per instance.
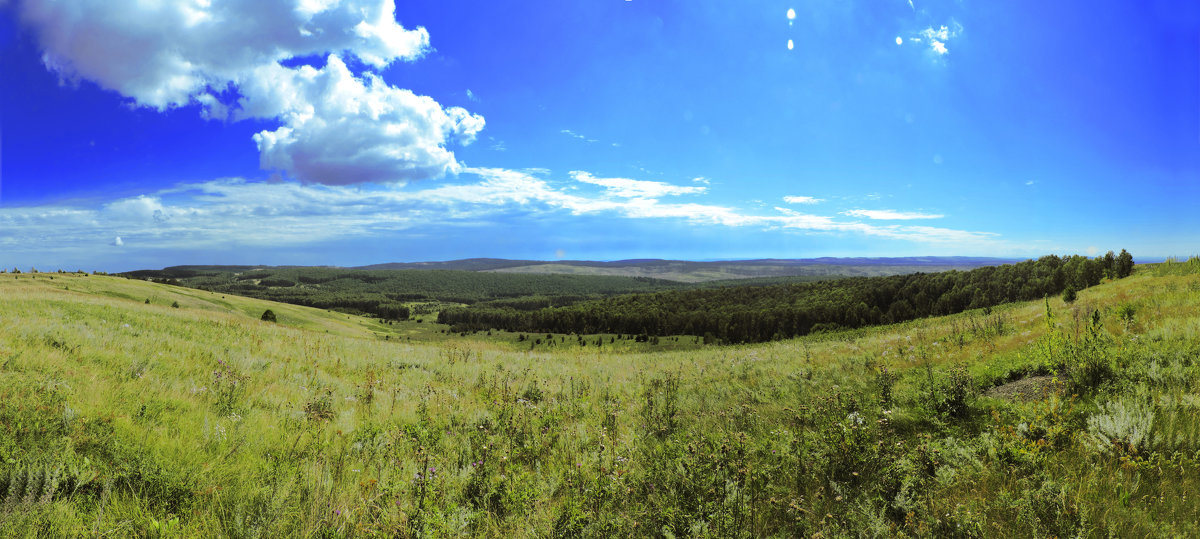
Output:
(698, 272)
(1042, 418)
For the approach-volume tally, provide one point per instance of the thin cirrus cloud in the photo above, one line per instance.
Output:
(228, 58)
(575, 135)
(891, 215)
(235, 213)
(627, 188)
(802, 200)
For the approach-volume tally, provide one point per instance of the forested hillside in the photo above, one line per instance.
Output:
(762, 313)
(388, 293)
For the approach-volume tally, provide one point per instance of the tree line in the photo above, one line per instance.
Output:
(761, 313)
(387, 294)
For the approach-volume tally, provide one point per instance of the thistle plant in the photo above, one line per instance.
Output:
(228, 387)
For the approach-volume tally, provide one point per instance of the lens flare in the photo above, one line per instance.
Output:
(790, 45)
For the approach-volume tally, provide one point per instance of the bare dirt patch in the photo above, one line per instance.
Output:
(1032, 388)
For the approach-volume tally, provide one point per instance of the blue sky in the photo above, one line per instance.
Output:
(351, 132)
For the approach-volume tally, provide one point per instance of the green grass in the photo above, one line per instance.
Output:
(125, 419)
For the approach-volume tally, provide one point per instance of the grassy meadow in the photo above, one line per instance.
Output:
(1040, 419)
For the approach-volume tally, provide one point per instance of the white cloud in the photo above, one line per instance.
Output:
(802, 200)
(891, 215)
(702, 179)
(233, 213)
(342, 129)
(471, 96)
(627, 188)
(118, 242)
(573, 134)
(226, 57)
(938, 37)
(143, 208)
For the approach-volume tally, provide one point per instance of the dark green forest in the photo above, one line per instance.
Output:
(740, 314)
(390, 294)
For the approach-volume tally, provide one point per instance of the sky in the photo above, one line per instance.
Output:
(139, 134)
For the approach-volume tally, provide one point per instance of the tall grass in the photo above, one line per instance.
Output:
(130, 419)
(1175, 266)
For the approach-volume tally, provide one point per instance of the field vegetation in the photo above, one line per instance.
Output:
(742, 314)
(1038, 418)
(395, 294)
(398, 291)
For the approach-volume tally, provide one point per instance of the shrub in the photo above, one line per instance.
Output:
(320, 408)
(661, 405)
(228, 387)
(1123, 427)
(268, 316)
(885, 382)
(175, 304)
(952, 394)
(1069, 294)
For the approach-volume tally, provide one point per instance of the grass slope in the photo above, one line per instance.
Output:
(92, 289)
(126, 419)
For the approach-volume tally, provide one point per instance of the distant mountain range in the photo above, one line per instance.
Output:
(672, 270)
(692, 271)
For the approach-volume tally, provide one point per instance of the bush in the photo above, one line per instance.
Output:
(175, 304)
(950, 395)
(1069, 294)
(268, 316)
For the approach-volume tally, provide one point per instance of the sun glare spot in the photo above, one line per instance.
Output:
(790, 45)
(791, 14)
(899, 40)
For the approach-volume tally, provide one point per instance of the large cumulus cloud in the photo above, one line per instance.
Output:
(229, 57)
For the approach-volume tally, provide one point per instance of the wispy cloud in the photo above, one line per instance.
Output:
(627, 188)
(228, 214)
(802, 200)
(573, 134)
(891, 215)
